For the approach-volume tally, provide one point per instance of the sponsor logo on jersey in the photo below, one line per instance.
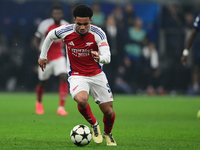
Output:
(71, 43)
(79, 52)
(89, 43)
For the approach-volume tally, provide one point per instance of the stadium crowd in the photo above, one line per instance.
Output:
(145, 52)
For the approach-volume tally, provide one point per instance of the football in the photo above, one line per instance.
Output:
(81, 135)
(198, 114)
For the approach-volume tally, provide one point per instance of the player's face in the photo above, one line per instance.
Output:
(57, 15)
(82, 25)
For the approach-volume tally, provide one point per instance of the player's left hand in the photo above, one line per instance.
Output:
(42, 63)
(95, 55)
(183, 60)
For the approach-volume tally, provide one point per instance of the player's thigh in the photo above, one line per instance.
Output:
(77, 84)
(100, 89)
(59, 66)
(45, 75)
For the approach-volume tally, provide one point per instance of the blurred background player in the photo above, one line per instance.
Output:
(189, 43)
(56, 60)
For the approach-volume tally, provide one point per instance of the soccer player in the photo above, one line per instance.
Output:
(87, 51)
(195, 31)
(56, 60)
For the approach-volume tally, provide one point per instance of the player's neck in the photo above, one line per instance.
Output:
(56, 22)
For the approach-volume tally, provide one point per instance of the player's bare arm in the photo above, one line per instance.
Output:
(188, 45)
(184, 56)
(42, 63)
(45, 47)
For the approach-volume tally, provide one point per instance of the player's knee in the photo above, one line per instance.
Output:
(108, 113)
(82, 104)
(63, 77)
(82, 100)
(107, 109)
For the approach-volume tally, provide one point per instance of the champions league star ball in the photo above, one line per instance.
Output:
(81, 135)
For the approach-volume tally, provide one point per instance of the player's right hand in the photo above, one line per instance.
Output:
(95, 55)
(42, 63)
(183, 60)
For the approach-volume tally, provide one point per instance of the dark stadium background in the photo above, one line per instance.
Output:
(19, 20)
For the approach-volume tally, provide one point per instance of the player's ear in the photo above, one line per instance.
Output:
(90, 20)
(74, 19)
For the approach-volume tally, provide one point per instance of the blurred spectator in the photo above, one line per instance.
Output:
(151, 55)
(172, 23)
(4, 59)
(151, 77)
(17, 55)
(118, 14)
(98, 15)
(71, 18)
(123, 77)
(171, 16)
(129, 14)
(115, 40)
(11, 61)
(136, 37)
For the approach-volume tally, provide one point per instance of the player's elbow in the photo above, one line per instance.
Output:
(105, 59)
(108, 61)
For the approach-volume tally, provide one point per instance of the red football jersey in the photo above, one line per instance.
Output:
(79, 49)
(79, 58)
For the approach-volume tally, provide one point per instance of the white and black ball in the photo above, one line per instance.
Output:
(81, 135)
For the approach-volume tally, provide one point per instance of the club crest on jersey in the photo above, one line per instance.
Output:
(71, 43)
(89, 43)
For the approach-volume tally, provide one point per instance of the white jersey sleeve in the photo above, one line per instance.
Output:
(47, 43)
(52, 35)
(104, 49)
(64, 30)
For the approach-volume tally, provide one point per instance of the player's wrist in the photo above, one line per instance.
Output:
(185, 52)
(42, 58)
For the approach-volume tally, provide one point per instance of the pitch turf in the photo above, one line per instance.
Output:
(142, 123)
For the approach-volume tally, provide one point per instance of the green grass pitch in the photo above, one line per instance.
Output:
(142, 123)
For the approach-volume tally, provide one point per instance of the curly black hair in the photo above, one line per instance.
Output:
(82, 10)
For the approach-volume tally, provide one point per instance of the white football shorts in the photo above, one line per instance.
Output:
(96, 85)
(54, 67)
